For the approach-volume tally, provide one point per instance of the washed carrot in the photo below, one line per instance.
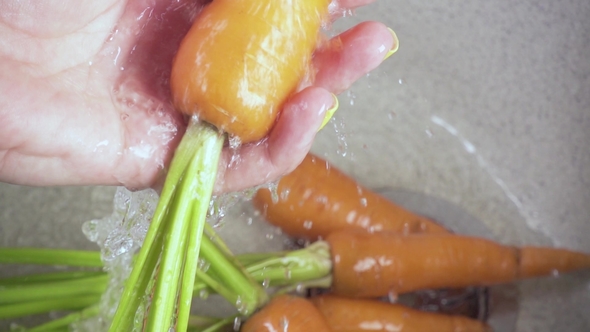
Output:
(539, 261)
(287, 313)
(242, 59)
(317, 199)
(235, 68)
(372, 265)
(360, 315)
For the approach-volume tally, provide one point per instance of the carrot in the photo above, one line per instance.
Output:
(539, 261)
(317, 199)
(236, 66)
(372, 265)
(242, 59)
(356, 315)
(287, 313)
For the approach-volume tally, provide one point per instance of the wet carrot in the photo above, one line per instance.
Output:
(539, 261)
(289, 314)
(317, 199)
(372, 265)
(235, 68)
(357, 315)
(242, 59)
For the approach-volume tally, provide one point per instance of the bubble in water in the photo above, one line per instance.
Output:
(119, 237)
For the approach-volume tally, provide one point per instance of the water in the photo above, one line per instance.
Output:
(119, 237)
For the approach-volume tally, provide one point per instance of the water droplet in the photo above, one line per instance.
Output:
(203, 265)
(284, 324)
(124, 116)
(237, 323)
(203, 294)
(364, 202)
(300, 288)
(266, 283)
(285, 194)
(429, 133)
(392, 297)
(308, 224)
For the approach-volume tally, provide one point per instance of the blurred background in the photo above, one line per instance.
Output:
(485, 107)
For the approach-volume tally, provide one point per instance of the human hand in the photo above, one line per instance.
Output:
(84, 96)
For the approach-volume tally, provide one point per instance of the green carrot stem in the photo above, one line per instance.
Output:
(66, 257)
(67, 320)
(324, 282)
(149, 254)
(166, 283)
(54, 290)
(214, 286)
(43, 306)
(292, 267)
(45, 277)
(253, 258)
(248, 294)
(204, 173)
(187, 218)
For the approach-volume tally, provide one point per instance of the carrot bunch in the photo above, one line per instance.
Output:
(377, 248)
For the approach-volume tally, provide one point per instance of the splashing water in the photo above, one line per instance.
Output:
(119, 237)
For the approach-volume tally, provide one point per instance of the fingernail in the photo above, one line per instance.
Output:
(330, 112)
(395, 44)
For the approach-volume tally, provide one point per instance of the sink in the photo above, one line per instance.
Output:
(485, 107)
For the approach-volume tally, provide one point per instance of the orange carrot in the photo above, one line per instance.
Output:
(356, 315)
(317, 199)
(372, 265)
(242, 59)
(287, 313)
(539, 261)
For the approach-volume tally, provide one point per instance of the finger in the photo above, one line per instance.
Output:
(351, 55)
(286, 146)
(351, 4)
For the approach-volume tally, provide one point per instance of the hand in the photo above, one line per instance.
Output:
(84, 96)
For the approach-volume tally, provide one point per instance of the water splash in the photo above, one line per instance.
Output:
(119, 237)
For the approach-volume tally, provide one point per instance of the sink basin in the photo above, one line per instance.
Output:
(485, 106)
